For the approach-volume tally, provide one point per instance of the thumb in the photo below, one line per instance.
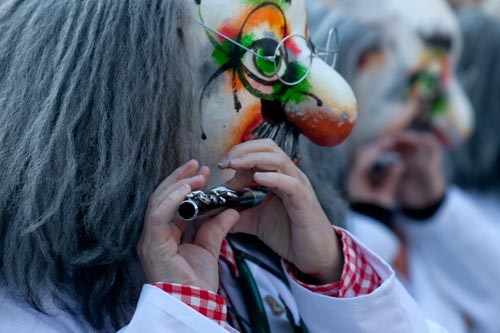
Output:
(213, 231)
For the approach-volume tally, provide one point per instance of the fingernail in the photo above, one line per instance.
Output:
(187, 163)
(224, 163)
(236, 160)
(203, 167)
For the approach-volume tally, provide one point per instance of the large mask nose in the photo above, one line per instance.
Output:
(443, 106)
(327, 113)
(457, 121)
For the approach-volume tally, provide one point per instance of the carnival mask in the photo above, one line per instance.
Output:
(409, 80)
(262, 78)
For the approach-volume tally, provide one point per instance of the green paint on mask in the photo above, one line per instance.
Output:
(430, 88)
(281, 92)
(439, 106)
(266, 67)
(297, 93)
(227, 51)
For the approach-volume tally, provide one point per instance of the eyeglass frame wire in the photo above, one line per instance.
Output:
(315, 52)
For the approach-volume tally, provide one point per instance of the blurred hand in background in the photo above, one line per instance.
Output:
(423, 182)
(414, 179)
(368, 183)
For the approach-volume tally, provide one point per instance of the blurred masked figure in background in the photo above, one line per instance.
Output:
(399, 57)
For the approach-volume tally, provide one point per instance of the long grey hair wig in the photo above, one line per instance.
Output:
(95, 108)
(477, 163)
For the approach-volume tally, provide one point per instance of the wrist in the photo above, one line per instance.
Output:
(206, 302)
(330, 270)
(358, 276)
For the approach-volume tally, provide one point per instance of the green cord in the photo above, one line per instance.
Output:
(253, 300)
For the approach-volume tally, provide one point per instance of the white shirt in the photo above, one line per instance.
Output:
(453, 261)
(389, 309)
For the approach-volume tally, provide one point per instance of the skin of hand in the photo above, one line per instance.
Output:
(361, 186)
(423, 182)
(290, 220)
(163, 257)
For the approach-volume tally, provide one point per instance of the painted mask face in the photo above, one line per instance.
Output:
(409, 82)
(262, 80)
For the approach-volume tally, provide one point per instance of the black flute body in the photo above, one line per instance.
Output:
(379, 169)
(201, 204)
(385, 160)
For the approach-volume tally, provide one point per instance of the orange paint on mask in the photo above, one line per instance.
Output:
(269, 15)
(277, 23)
(228, 84)
(445, 64)
(447, 70)
(250, 121)
(230, 87)
(321, 128)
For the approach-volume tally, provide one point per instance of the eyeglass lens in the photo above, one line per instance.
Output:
(294, 56)
(293, 59)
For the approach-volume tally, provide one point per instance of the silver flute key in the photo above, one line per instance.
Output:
(201, 204)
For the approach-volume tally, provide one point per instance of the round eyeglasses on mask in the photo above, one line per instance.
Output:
(285, 62)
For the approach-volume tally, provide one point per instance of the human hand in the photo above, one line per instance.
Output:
(290, 220)
(163, 257)
(366, 185)
(423, 182)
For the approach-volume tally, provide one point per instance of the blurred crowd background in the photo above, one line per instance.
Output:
(421, 171)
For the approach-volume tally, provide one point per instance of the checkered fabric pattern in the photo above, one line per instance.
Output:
(205, 302)
(227, 254)
(358, 277)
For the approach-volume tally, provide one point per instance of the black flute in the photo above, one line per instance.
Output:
(204, 204)
(379, 169)
(385, 160)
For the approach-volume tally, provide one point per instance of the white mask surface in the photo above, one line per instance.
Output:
(244, 96)
(405, 76)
